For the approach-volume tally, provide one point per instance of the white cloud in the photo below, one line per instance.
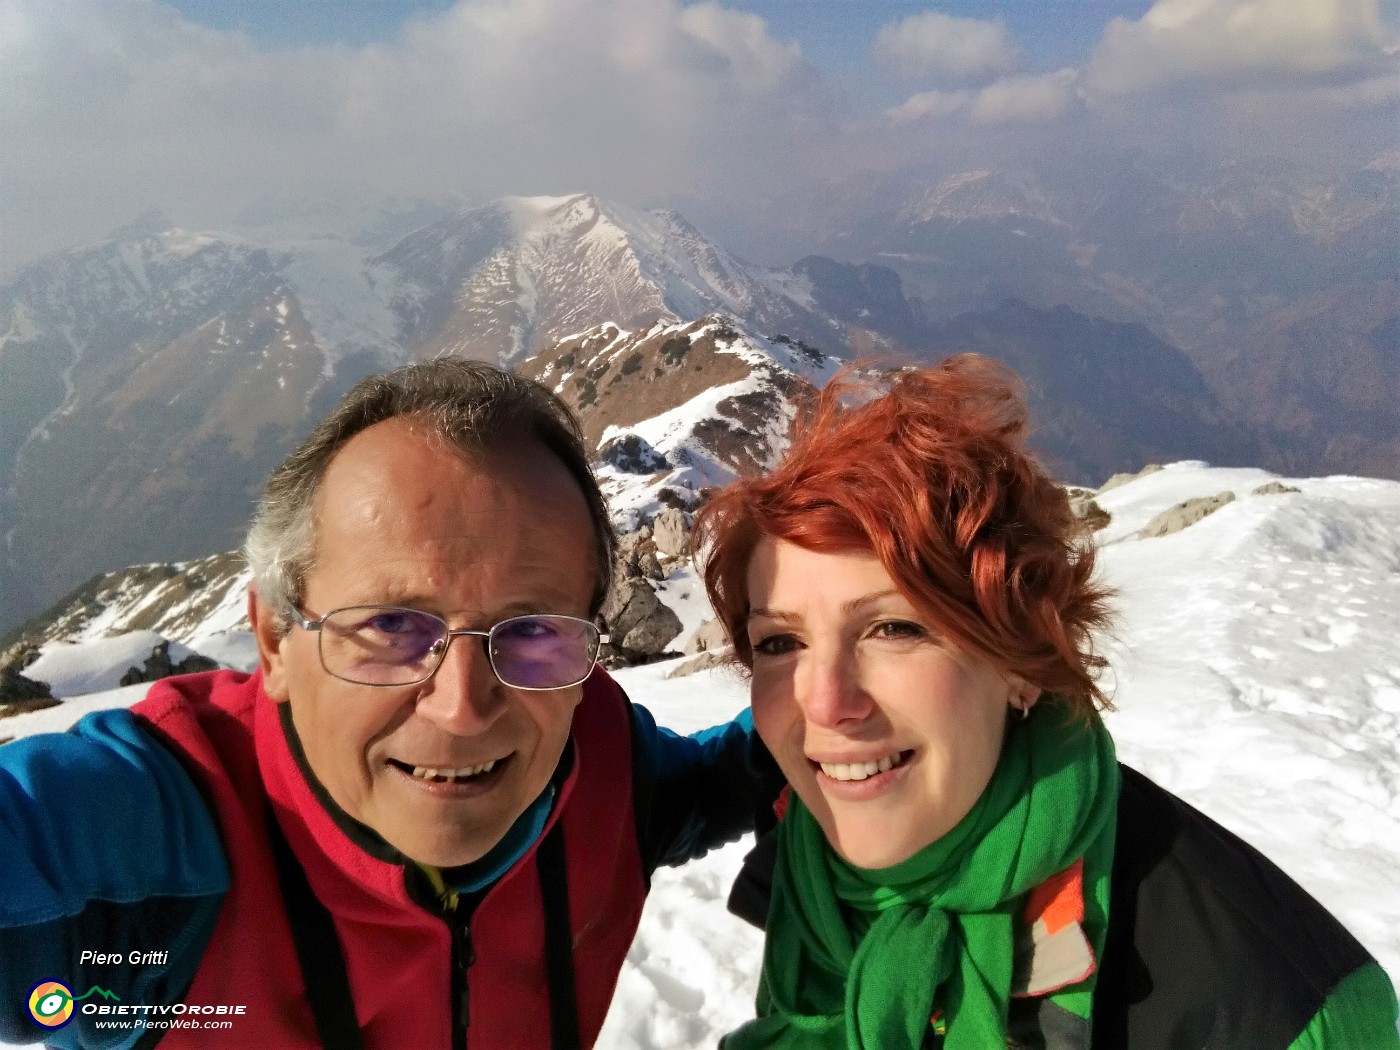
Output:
(1042, 98)
(947, 48)
(1025, 99)
(1195, 42)
(111, 107)
(927, 104)
(108, 107)
(756, 59)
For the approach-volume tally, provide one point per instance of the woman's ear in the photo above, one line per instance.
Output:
(1023, 695)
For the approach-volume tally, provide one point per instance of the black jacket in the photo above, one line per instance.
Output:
(1210, 946)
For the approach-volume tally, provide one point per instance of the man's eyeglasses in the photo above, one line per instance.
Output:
(391, 645)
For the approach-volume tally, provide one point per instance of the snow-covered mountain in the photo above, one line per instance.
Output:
(148, 384)
(507, 279)
(679, 408)
(158, 377)
(1283, 291)
(668, 412)
(1255, 674)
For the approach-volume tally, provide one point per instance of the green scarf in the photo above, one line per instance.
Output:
(860, 959)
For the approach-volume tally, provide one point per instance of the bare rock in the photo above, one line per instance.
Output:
(19, 694)
(1185, 514)
(632, 454)
(640, 626)
(159, 665)
(20, 655)
(708, 637)
(1087, 510)
(703, 662)
(1274, 488)
(637, 557)
(671, 532)
(1123, 479)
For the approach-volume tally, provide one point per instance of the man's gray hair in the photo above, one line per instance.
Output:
(474, 407)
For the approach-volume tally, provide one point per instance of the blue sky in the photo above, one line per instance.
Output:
(835, 34)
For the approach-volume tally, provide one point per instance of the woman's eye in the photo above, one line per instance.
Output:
(775, 645)
(898, 630)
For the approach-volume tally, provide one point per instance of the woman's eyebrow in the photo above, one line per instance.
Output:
(773, 614)
(855, 605)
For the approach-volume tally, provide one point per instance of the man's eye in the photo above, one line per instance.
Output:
(527, 629)
(394, 623)
(898, 630)
(775, 645)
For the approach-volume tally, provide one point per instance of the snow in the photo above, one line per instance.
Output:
(75, 669)
(1257, 676)
(343, 297)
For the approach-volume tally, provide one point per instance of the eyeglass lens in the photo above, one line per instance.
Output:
(384, 645)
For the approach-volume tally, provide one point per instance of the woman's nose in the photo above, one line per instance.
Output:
(831, 691)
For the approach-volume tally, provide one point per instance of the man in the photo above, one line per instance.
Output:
(427, 819)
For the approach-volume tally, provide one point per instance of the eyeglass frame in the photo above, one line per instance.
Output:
(314, 626)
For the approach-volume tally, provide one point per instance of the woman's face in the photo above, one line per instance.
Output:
(887, 731)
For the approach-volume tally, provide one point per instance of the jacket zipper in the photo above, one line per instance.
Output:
(463, 955)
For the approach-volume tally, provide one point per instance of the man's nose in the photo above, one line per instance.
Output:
(464, 697)
(831, 690)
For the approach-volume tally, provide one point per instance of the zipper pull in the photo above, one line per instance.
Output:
(463, 955)
(463, 951)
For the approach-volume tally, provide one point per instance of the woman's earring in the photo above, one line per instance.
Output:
(1024, 708)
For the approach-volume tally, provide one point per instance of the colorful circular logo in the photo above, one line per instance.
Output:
(51, 1004)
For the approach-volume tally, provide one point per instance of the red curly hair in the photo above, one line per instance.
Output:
(927, 468)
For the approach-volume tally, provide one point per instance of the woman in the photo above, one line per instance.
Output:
(962, 862)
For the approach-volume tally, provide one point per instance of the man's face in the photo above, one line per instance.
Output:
(401, 519)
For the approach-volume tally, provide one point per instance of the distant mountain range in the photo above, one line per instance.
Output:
(148, 384)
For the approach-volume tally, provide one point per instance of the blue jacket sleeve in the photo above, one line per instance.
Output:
(694, 793)
(113, 873)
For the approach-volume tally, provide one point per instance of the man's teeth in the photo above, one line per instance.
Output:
(859, 770)
(429, 773)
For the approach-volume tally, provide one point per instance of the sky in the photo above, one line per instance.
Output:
(764, 118)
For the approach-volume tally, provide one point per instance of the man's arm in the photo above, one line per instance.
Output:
(696, 792)
(112, 873)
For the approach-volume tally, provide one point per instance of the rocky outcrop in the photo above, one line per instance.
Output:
(19, 694)
(1274, 488)
(632, 454)
(708, 637)
(638, 624)
(637, 557)
(1123, 479)
(703, 662)
(1087, 509)
(670, 532)
(159, 665)
(1185, 514)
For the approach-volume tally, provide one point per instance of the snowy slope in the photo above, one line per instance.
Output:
(677, 408)
(210, 351)
(1257, 676)
(503, 280)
